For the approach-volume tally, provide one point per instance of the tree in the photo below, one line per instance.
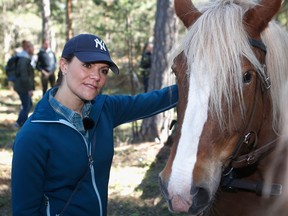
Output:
(165, 32)
(46, 12)
(127, 24)
(69, 33)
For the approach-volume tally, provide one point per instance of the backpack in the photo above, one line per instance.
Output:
(11, 67)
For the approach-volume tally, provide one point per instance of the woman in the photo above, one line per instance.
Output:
(63, 153)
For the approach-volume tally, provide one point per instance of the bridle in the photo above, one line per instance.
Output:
(250, 139)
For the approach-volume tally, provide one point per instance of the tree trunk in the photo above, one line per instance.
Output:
(46, 13)
(69, 33)
(165, 32)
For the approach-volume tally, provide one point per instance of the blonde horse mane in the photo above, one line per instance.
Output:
(276, 40)
(218, 40)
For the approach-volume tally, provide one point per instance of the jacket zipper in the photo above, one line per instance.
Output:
(90, 158)
(47, 205)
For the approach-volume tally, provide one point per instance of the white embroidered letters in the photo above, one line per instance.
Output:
(100, 43)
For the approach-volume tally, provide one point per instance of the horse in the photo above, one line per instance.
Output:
(230, 68)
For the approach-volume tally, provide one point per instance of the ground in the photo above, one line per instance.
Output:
(133, 186)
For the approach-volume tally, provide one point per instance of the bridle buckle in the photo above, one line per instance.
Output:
(251, 159)
(265, 78)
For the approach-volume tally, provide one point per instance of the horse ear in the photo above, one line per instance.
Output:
(186, 12)
(258, 17)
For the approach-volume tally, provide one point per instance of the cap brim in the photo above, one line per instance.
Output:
(97, 57)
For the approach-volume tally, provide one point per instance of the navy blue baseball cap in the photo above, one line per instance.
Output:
(89, 48)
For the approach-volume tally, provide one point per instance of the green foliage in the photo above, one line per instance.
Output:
(281, 17)
(17, 5)
(98, 2)
(127, 24)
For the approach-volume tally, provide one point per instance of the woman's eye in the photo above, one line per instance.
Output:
(247, 77)
(87, 65)
(105, 71)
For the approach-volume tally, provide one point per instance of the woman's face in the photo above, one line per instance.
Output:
(83, 80)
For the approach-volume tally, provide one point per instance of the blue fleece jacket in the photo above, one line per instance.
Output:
(50, 155)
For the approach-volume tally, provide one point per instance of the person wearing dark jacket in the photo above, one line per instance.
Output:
(145, 64)
(46, 64)
(24, 83)
(62, 155)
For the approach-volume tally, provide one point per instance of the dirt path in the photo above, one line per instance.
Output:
(10, 105)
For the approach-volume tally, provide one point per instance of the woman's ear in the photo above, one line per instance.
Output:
(63, 65)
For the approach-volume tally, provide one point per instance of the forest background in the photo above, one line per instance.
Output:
(125, 26)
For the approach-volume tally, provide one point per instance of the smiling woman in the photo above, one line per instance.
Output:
(65, 165)
(84, 76)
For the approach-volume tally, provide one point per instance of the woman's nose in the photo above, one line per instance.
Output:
(95, 75)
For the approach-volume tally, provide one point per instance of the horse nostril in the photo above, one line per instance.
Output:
(203, 195)
(194, 190)
(200, 199)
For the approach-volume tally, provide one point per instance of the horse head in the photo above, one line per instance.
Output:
(225, 108)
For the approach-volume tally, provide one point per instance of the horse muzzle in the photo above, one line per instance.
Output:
(197, 202)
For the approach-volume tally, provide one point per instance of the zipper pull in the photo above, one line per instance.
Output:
(90, 160)
(46, 200)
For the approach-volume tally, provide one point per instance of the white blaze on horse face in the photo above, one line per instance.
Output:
(195, 117)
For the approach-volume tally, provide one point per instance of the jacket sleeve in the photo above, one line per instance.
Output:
(28, 165)
(129, 108)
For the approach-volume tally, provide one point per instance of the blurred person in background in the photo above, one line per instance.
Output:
(145, 64)
(46, 64)
(24, 84)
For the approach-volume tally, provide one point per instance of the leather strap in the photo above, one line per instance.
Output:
(258, 43)
(254, 156)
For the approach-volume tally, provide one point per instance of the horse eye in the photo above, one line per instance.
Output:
(247, 77)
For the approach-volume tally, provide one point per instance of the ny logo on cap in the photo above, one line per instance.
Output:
(100, 43)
